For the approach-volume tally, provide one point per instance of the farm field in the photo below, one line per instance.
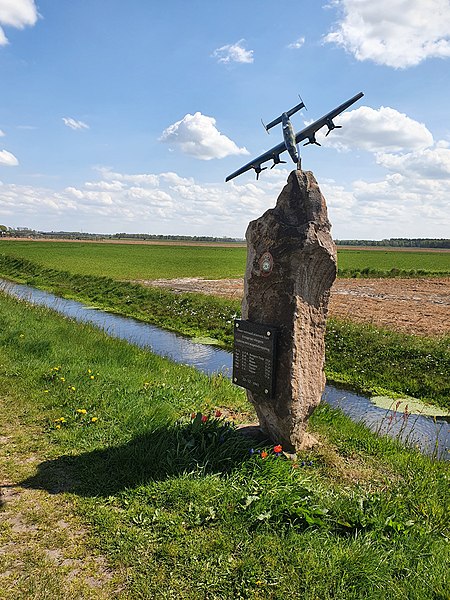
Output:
(364, 357)
(417, 306)
(151, 261)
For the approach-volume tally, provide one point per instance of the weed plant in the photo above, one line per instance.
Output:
(186, 507)
(362, 357)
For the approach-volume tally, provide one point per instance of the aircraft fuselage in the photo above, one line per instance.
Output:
(289, 137)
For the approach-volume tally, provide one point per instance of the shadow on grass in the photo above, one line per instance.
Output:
(171, 450)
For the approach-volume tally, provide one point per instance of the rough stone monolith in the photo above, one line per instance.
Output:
(291, 266)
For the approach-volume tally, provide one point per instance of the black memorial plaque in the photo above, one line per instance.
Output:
(254, 357)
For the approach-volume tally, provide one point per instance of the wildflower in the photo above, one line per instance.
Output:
(218, 414)
(81, 411)
(193, 415)
(58, 426)
(94, 419)
(22, 335)
(72, 388)
(89, 371)
(251, 451)
(277, 449)
(263, 454)
(92, 377)
(62, 378)
(45, 391)
(204, 418)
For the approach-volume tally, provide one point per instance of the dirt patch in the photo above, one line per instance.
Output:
(418, 306)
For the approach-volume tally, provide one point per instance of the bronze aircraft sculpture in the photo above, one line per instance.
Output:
(291, 139)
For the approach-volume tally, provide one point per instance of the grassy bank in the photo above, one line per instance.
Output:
(178, 507)
(362, 357)
(138, 261)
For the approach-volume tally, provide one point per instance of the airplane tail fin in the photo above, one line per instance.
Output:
(289, 114)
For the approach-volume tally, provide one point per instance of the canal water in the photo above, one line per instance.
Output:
(430, 435)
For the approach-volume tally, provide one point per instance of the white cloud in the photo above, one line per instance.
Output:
(2, 134)
(18, 14)
(431, 163)
(197, 135)
(74, 124)
(7, 159)
(381, 130)
(297, 44)
(404, 203)
(396, 33)
(233, 53)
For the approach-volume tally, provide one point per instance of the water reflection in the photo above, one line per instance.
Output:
(431, 436)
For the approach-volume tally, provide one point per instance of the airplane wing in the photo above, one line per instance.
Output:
(271, 154)
(309, 132)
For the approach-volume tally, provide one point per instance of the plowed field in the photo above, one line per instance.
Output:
(418, 306)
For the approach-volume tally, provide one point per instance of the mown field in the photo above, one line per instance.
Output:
(140, 261)
(114, 486)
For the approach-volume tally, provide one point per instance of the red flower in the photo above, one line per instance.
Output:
(263, 454)
(204, 418)
(193, 415)
(218, 414)
(277, 449)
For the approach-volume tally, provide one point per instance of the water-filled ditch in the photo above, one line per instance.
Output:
(432, 436)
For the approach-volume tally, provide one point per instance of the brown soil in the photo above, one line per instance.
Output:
(418, 306)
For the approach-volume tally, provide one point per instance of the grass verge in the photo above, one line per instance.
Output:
(362, 357)
(171, 505)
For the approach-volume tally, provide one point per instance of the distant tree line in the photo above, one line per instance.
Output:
(25, 232)
(399, 243)
(78, 235)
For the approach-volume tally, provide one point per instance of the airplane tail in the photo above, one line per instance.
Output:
(289, 114)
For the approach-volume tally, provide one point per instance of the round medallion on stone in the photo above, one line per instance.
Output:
(266, 264)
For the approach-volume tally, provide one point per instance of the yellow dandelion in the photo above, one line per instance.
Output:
(45, 391)
(92, 377)
(81, 411)
(62, 378)
(94, 419)
(72, 388)
(58, 426)
(89, 371)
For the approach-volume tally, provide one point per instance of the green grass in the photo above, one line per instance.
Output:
(362, 357)
(182, 509)
(391, 263)
(138, 261)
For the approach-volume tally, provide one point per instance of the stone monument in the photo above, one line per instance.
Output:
(291, 266)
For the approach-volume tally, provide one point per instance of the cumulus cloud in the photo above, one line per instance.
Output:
(18, 14)
(233, 53)
(7, 159)
(431, 163)
(396, 33)
(378, 130)
(401, 204)
(74, 124)
(197, 135)
(297, 44)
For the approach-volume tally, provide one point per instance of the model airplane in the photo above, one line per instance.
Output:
(292, 139)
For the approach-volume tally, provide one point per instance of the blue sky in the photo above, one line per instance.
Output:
(128, 116)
